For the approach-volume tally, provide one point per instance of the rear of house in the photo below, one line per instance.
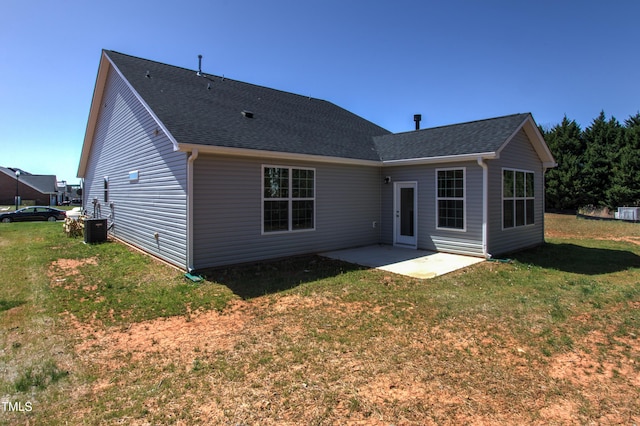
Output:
(473, 188)
(516, 201)
(204, 171)
(250, 208)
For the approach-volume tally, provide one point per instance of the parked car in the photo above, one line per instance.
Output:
(28, 214)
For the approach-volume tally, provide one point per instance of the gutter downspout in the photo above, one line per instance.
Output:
(190, 161)
(485, 205)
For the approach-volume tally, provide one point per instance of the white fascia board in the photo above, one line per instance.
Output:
(443, 159)
(98, 92)
(244, 152)
(96, 102)
(539, 145)
(146, 107)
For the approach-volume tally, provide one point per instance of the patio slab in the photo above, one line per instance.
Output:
(413, 263)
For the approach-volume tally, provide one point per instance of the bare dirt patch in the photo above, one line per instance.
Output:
(62, 269)
(180, 335)
(457, 372)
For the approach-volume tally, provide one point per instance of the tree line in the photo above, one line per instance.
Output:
(598, 166)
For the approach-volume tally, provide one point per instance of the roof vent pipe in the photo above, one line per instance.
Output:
(417, 118)
(199, 64)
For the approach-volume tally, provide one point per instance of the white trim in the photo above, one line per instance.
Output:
(536, 140)
(396, 213)
(101, 81)
(144, 104)
(275, 155)
(290, 199)
(92, 121)
(485, 205)
(436, 160)
(515, 198)
(192, 158)
(464, 200)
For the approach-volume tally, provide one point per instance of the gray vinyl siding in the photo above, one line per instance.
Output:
(429, 237)
(228, 211)
(127, 138)
(518, 154)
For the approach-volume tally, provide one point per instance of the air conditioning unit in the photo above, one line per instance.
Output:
(629, 213)
(95, 231)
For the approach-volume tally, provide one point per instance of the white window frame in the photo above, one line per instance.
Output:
(463, 199)
(515, 198)
(289, 199)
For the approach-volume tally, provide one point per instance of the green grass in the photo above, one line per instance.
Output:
(317, 341)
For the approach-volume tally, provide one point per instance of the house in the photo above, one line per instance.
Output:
(32, 189)
(204, 171)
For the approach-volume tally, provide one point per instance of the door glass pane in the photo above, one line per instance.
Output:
(406, 212)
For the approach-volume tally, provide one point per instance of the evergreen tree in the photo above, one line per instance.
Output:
(597, 166)
(624, 189)
(564, 184)
(604, 141)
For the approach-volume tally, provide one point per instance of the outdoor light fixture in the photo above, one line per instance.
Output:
(17, 193)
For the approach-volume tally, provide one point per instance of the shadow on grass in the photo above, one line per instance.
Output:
(5, 305)
(578, 259)
(254, 280)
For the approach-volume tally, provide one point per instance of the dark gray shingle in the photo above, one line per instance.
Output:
(456, 139)
(208, 111)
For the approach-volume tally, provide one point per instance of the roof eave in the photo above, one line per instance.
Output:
(98, 91)
(105, 64)
(441, 159)
(537, 140)
(244, 152)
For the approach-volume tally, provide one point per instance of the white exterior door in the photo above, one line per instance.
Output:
(405, 221)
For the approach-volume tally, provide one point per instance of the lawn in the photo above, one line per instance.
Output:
(95, 334)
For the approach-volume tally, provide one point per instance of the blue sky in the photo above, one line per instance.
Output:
(451, 61)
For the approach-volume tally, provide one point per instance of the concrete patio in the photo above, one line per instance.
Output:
(414, 263)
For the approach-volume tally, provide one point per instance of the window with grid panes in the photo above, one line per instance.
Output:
(288, 199)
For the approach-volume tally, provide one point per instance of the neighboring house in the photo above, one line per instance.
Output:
(68, 193)
(204, 171)
(32, 189)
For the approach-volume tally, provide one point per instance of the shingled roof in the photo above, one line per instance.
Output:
(208, 110)
(45, 184)
(475, 137)
(202, 110)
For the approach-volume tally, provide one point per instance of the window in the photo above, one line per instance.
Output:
(518, 198)
(450, 213)
(106, 189)
(288, 199)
